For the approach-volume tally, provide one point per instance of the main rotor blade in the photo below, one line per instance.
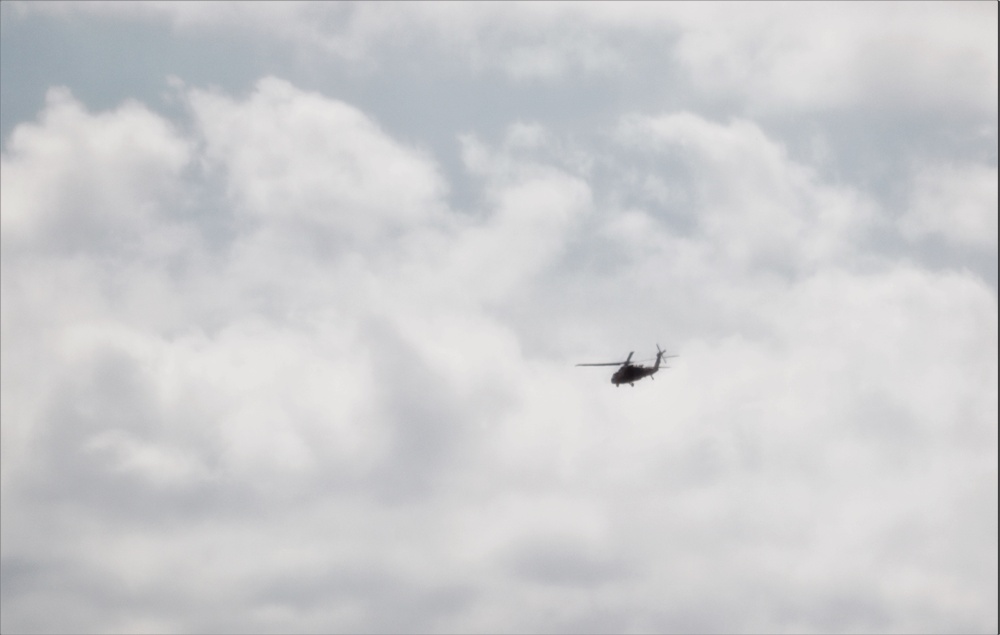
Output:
(603, 364)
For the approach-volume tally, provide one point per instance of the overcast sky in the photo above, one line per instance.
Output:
(292, 296)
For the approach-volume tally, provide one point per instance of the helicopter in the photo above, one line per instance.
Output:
(630, 373)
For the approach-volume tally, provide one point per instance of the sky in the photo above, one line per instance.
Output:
(293, 294)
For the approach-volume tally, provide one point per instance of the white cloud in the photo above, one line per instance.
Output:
(355, 409)
(99, 190)
(292, 155)
(89, 180)
(163, 467)
(526, 232)
(956, 202)
(754, 204)
(781, 56)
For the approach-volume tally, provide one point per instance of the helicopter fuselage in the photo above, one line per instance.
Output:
(629, 374)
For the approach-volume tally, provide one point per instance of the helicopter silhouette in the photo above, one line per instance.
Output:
(630, 373)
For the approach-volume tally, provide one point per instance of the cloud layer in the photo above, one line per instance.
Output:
(264, 370)
(774, 57)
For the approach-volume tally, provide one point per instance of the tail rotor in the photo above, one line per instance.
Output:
(661, 355)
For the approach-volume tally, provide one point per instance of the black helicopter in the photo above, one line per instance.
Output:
(630, 373)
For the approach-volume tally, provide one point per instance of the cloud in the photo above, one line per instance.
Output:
(89, 181)
(323, 162)
(753, 203)
(954, 202)
(789, 58)
(283, 382)
(774, 58)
